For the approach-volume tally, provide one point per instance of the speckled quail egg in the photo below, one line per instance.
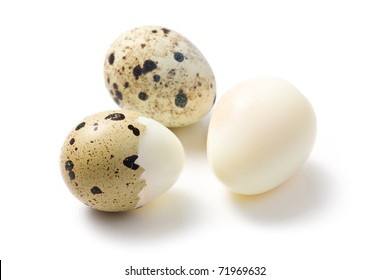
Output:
(261, 131)
(119, 160)
(160, 73)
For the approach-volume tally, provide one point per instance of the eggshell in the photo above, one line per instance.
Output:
(119, 160)
(261, 131)
(160, 73)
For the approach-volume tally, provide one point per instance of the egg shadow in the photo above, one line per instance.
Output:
(307, 192)
(169, 214)
(194, 137)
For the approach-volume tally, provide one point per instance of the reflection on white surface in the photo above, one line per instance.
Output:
(309, 191)
(170, 214)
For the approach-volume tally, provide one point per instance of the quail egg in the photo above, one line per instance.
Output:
(120, 160)
(261, 131)
(160, 73)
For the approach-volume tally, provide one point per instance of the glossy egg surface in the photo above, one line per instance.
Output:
(261, 131)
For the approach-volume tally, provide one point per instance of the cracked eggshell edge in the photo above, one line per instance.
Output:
(163, 160)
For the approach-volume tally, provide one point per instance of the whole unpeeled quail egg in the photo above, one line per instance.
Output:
(119, 160)
(261, 131)
(160, 73)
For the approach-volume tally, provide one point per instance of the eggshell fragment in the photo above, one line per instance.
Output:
(261, 131)
(119, 160)
(160, 73)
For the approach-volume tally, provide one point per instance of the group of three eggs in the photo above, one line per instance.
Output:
(261, 131)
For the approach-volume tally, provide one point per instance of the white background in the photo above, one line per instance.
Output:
(330, 221)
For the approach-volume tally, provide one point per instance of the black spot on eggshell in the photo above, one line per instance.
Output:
(72, 175)
(137, 71)
(181, 99)
(165, 30)
(130, 162)
(119, 95)
(154, 31)
(72, 141)
(143, 45)
(134, 129)
(80, 126)
(143, 96)
(126, 85)
(111, 59)
(115, 86)
(115, 117)
(149, 65)
(179, 57)
(156, 78)
(96, 190)
(69, 165)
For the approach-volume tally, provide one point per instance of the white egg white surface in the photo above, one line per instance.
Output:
(261, 131)
(162, 157)
(118, 160)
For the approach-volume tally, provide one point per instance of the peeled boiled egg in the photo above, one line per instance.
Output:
(120, 160)
(261, 132)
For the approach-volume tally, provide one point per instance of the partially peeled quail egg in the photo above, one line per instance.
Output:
(120, 160)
